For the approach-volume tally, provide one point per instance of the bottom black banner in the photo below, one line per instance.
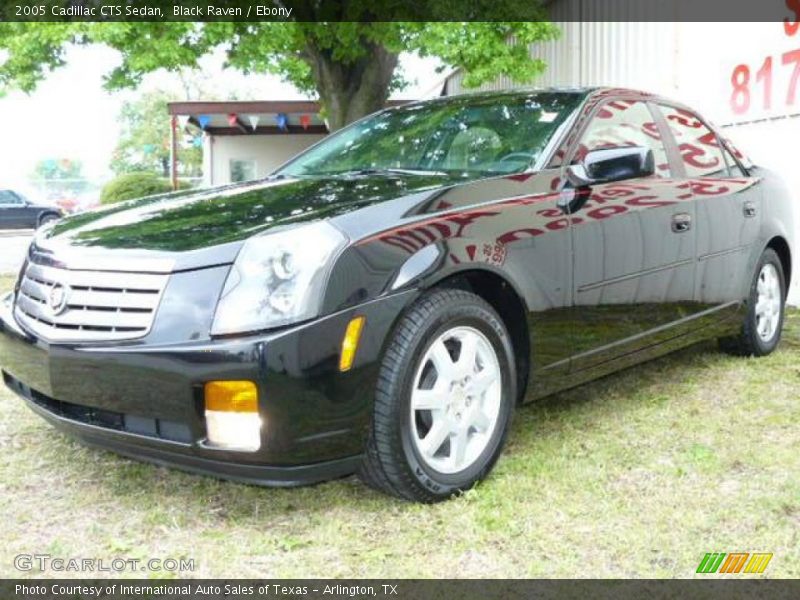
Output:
(256, 589)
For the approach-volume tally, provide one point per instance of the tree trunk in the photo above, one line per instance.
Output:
(349, 91)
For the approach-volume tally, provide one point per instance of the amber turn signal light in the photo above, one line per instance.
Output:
(231, 396)
(350, 343)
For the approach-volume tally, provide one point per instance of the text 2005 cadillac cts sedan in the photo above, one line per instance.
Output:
(381, 303)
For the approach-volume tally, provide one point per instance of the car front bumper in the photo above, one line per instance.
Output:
(146, 400)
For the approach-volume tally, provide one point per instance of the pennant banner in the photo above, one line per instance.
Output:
(233, 119)
(203, 120)
(253, 120)
(305, 121)
(183, 121)
(283, 121)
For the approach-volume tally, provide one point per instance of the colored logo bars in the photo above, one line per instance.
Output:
(736, 562)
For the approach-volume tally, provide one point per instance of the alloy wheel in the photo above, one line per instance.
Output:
(768, 302)
(455, 402)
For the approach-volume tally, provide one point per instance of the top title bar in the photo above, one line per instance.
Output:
(787, 11)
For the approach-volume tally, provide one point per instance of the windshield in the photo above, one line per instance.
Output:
(471, 136)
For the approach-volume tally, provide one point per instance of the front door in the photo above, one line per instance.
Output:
(633, 244)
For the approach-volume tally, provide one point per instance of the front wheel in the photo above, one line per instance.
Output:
(761, 328)
(444, 399)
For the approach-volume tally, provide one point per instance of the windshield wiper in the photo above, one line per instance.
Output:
(384, 171)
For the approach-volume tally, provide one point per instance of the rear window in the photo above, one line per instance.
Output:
(698, 146)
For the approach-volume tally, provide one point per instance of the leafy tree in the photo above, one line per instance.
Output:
(351, 66)
(61, 175)
(144, 142)
(62, 168)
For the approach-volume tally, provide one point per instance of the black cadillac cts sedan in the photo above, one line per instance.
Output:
(381, 303)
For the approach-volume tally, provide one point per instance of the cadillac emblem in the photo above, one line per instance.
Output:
(57, 298)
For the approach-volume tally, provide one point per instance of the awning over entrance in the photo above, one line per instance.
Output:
(252, 117)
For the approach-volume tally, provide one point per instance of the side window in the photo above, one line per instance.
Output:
(622, 123)
(698, 146)
(9, 198)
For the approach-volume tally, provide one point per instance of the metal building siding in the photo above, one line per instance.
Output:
(599, 54)
(607, 53)
(588, 52)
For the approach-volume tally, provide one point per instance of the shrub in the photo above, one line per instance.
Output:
(135, 185)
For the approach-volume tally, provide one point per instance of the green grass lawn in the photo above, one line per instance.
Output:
(636, 475)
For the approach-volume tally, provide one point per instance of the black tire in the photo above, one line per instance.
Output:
(47, 218)
(748, 342)
(392, 463)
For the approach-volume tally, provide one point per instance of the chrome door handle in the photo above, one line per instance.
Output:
(681, 223)
(749, 209)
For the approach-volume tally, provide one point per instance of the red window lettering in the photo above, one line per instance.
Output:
(685, 118)
(792, 27)
(789, 58)
(651, 129)
(518, 234)
(709, 139)
(691, 155)
(647, 202)
(550, 212)
(557, 225)
(740, 96)
(765, 74)
(463, 221)
(616, 192)
(707, 188)
(606, 211)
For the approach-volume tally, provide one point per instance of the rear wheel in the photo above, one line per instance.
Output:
(444, 399)
(48, 218)
(761, 329)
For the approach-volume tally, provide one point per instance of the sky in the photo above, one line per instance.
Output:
(70, 115)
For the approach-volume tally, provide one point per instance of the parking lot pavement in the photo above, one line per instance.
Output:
(13, 245)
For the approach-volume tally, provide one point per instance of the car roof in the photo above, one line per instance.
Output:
(589, 92)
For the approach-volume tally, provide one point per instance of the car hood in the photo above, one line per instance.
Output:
(196, 221)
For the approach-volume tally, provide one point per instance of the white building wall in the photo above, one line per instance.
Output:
(267, 151)
(690, 62)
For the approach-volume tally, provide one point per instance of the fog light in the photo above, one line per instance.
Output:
(232, 419)
(350, 343)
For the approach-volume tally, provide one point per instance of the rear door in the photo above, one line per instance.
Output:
(633, 243)
(13, 211)
(728, 202)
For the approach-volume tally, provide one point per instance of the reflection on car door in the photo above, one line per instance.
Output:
(728, 202)
(633, 243)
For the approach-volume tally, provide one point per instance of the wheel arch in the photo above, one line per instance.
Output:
(781, 247)
(46, 213)
(502, 295)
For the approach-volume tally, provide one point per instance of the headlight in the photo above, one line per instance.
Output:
(277, 279)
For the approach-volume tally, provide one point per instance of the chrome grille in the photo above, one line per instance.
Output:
(95, 305)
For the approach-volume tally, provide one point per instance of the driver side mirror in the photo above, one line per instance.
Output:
(607, 165)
